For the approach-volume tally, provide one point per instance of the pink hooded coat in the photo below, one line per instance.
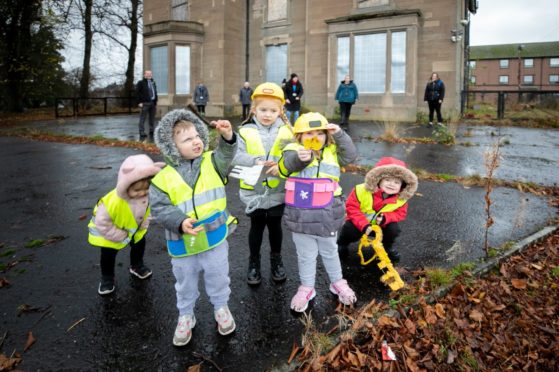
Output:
(134, 168)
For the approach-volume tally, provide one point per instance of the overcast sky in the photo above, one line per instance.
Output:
(514, 21)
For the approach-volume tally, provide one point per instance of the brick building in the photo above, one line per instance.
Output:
(389, 47)
(513, 67)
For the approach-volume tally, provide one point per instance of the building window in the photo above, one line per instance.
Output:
(179, 10)
(503, 79)
(277, 10)
(554, 62)
(472, 79)
(398, 68)
(370, 3)
(342, 66)
(528, 79)
(553, 79)
(472, 64)
(182, 69)
(504, 63)
(529, 62)
(370, 62)
(276, 63)
(159, 67)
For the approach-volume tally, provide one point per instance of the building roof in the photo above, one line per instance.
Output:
(528, 50)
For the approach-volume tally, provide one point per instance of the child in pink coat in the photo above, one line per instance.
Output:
(121, 217)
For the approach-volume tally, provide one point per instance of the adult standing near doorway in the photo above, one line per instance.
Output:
(346, 95)
(293, 93)
(201, 98)
(434, 95)
(245, 97)
(146, 91)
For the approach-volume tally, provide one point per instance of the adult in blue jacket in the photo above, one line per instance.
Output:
(346, 95)
(434, 95)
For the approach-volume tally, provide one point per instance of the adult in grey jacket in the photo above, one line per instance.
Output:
(245, 96)
(201, 97)
(346, 95)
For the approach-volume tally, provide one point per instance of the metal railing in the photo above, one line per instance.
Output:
(511, 104)
(76, 106)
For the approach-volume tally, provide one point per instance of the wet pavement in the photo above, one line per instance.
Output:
(49, 189)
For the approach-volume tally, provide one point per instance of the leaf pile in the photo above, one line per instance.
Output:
(507, 320)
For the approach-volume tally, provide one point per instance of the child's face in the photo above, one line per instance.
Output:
(390, 185)
(267, 111)
(319, 134)
(138, 189)
(188, 143)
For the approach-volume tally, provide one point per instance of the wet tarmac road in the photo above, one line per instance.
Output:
(47, 187)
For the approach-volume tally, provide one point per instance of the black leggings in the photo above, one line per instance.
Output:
(435, 106)
(261, 218)
(108, 257)
(350, 234)
(201, 109)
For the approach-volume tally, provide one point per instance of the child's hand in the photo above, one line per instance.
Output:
(333, 128)
(273, 170)
(145, 223)
(188, 228)
(224, 128)
(304, 155)
(370, 232)
(380, 219)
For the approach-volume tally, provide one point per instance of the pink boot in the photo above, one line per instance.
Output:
(300, 301)
(345, 294)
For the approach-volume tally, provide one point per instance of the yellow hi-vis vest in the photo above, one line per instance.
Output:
(122, 217)
(254, 146)
(325, 167)
(206, 203)
(365, 198)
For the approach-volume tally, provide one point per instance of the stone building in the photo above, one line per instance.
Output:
(388, 47)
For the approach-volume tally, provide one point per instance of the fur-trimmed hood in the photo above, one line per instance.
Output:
(163, 134)
(135, 168)
(392, 167)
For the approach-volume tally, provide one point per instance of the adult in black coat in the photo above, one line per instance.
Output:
(434, 95)
(293, 92)
(146, 91)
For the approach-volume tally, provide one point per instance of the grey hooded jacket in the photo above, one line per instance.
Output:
(255, 199)
(170, 216)
(319, 222)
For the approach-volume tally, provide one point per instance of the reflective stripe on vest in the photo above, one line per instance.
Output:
(365, 198)
(325, 167)
(122, 217)
(206, 200)
(254, 147)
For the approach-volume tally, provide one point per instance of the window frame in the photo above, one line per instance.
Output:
(554, 62)
(501, 78)
(524, 82)
(525, 65)
(472, 65)
(280, 21)
(162, 84)
(188, 68)
(185, 4)
(502, 62)
(553, 82)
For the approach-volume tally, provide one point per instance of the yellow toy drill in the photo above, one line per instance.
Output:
(390, 276)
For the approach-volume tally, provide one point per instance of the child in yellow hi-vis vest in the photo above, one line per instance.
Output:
(262, 137)
(381, 200)
(314, 208)
(188, 198)
(121, 217)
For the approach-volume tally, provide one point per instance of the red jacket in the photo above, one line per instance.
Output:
(358, 218)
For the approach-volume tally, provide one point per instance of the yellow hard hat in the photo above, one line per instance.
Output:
(269, 90)
(310, 121)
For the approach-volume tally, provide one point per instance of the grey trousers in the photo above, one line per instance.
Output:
(308, 247)
(215, 266)
(148, 109)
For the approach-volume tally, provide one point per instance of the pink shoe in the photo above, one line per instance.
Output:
(345, 294)
(300, 301)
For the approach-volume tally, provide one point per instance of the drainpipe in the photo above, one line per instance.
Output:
(247, 39)
(466, 59)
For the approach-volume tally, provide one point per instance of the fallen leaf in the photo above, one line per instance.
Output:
(4, 282)
(518, 283)
(439, 310)
(475, 315)
(8, 363)
(82, 217)
(410, 326)
(294, 350)
(194, 368)
(387, 321)
(30, 341)
(450, 357)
